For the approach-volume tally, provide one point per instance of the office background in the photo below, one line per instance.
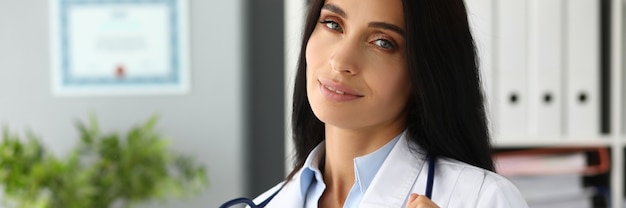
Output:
(233, 112)
(233, 118)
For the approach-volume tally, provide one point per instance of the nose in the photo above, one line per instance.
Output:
(345, 58)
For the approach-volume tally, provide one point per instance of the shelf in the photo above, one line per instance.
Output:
(552, 142)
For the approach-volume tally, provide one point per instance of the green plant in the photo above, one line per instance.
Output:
(104, 169)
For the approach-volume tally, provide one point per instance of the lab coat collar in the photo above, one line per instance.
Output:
(366, 166)
(394, 181)
(310, 169)
(288, 196)
(389, 188)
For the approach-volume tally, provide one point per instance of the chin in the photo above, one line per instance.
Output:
(340, 115)
(338, 118)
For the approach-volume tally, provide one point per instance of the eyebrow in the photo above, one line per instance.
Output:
(335, 9)
(387, 26)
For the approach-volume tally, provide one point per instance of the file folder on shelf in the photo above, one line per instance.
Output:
(553, 177)
(555, 191)
(546, 49)
(582, 68)
(551, 161)
(480, 17)
(511, 110)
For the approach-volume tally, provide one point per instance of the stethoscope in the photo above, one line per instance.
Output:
(250, 203)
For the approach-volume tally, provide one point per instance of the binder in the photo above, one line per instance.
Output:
(480, 17)
(555, 191)
(582, 68)
(511, 110)
(553, 161)
(552, 177)
(546, 49)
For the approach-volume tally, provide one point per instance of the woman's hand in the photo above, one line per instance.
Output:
(420, 201)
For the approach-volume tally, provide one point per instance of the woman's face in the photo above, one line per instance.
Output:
(356, 64)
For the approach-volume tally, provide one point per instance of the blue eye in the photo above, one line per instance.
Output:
(384, 44)
(332, 25)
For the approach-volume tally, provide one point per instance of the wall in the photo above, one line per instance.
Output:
(207, 123)
(265, 84)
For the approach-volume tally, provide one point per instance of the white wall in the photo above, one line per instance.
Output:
(207, 123)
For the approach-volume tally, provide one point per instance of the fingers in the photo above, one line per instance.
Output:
(420, 201)
(413, 197)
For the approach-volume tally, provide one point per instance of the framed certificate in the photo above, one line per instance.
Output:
(117, 47)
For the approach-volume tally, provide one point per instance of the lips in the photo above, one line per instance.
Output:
(337, 92)
(334, 90)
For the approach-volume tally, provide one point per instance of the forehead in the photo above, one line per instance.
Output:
(389, 11)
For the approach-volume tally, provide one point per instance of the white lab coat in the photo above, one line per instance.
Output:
(456, 184)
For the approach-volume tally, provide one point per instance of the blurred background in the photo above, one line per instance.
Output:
(551, 69)
(230, 120)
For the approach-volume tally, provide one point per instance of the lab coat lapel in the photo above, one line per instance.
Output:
(289, 196)
(396, 177)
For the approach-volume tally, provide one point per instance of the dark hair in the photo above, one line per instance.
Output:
(445, 111)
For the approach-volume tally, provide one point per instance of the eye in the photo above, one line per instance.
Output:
(385, 44)
(332, 25)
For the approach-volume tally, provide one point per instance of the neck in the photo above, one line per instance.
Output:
(342, 146)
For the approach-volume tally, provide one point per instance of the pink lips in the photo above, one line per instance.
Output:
(337, 92)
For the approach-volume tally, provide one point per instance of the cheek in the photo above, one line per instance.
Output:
(309, 68)
(313, 51)
(402, 88)
(392, 88)
(310, 56)
(313, 58)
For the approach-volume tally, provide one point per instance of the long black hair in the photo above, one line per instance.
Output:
(445, 110)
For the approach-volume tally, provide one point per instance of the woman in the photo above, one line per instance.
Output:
(386, 90)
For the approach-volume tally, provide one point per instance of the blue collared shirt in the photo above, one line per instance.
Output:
(365, 168)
